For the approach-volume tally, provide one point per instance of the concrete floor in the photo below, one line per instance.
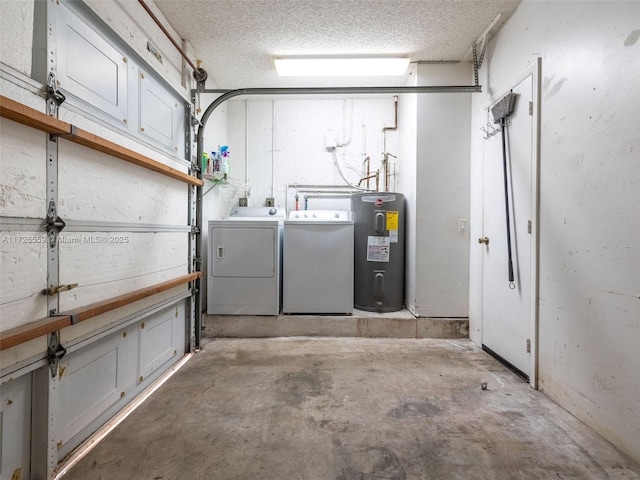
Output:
(354, 408)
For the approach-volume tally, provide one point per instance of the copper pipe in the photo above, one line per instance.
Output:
(375, 175)
(395, 127)
(164, 30)
(367, 160)
(386, 172)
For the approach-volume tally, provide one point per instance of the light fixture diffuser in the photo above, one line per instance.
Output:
(341, 67)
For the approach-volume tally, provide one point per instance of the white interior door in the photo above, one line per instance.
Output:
(506, 313)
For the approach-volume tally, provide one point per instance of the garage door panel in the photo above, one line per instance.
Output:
(117, 191)
(90, 67)
(161, 339)
(162, 115)
(91, 380)
(23, 276)
(105, 265)
(15, 427)
(22, 171)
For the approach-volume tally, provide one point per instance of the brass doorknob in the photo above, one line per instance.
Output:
(484, 240)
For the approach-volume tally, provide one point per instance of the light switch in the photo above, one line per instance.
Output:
(462, 224)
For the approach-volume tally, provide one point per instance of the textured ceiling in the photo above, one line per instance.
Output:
(237, 40)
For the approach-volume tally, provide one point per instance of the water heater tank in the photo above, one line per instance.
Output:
(379, 251)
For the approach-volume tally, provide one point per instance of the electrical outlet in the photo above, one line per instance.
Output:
(242, 202)
(271, 202)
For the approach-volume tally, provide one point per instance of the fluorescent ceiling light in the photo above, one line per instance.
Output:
(341, 67)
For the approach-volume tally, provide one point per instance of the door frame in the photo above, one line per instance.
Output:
(534, 70)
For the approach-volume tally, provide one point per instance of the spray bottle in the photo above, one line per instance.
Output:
(215, 162)
(224, 161)
(205, 162)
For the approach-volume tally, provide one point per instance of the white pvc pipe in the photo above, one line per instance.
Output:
(246, 147)
(273, 148)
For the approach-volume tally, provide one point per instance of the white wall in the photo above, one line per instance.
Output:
(589, 232)
(296, 152)
(442, 194)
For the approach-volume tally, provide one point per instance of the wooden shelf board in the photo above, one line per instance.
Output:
(24, 333)
(20, 113)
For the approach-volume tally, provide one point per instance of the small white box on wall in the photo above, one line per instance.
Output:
(331, 139)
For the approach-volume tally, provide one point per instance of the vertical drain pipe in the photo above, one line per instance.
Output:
(273, 148)
(364, 148)
(384, 150)
(246, 149)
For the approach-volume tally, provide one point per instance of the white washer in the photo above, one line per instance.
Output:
(318, 262)
(245, 262)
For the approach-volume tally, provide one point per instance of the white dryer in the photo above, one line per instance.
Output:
(318, 262)
(245, 262)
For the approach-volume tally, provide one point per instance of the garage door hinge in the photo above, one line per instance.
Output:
(55, 352)
(55, 98)
(54, 224)
(194, 230)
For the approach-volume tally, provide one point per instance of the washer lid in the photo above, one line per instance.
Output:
(320, 215)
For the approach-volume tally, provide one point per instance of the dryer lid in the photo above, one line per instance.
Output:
(257, 212)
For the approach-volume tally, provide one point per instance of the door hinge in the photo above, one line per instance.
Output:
(54, 224)
(529, 226)
(528, 345)
(531, 108)
(55, 352)
(54, 97)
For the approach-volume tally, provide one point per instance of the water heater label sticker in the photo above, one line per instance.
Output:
(392, 220)
(378, 249)
(392, 225)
